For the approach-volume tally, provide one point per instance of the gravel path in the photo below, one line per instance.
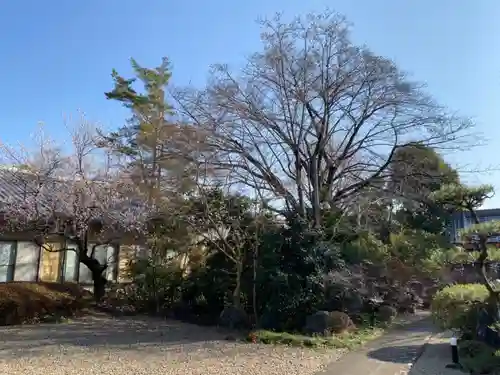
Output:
(104, 345)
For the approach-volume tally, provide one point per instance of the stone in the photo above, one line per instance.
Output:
(317, 323)
(326, 323)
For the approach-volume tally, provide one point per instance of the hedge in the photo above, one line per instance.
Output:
(455, 306)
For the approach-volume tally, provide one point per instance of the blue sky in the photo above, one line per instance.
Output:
(56, 56)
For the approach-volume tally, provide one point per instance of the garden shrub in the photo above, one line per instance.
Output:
(234, 318)
(27, 302)
(155, 286)
(290, 279)
(206, 291)
(366, 248)
(456, 306)
(386, 314)
(477, 357)
(340, 322)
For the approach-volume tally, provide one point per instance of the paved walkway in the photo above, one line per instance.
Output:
(391, 354)
(435, 357)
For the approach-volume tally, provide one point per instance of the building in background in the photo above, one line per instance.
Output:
(22, 260)
(463, 220)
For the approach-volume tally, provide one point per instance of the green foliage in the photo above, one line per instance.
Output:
(130, 138)
(207, 290)
(416, 172)
(418, 167)
(386, 314)
(366, 248)
(155, 286)
(456, 306)
(412, 246)
(347, 340)
(293, 263)
(458, 255)
(461, 197)
(487, 228)
(478, 358)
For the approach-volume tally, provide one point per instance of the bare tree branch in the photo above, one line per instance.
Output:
(312, 118)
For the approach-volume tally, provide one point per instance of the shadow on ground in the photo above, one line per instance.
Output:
(396, 354)
(93, 332)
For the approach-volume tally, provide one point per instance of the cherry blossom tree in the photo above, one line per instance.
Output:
(79, 194)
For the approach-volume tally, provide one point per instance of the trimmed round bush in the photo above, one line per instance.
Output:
(455, 306)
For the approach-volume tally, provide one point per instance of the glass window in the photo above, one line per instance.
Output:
(112, 257)
(27, 260)
(70, 269)
(142, 251)
(7, 257)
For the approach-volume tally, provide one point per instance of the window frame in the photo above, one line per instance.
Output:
(76, 277)
(36, 260)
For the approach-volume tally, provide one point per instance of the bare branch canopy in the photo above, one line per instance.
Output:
(313, 119)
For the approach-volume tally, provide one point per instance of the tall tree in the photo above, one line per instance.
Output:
(416, 172)
(313, 118)
(157, 148)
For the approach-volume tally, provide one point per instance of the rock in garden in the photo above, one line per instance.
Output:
(326, 323)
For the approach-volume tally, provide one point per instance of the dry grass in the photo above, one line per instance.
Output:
(27, 302)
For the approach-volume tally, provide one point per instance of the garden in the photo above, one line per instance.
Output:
(297, 201)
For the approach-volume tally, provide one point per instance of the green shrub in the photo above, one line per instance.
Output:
(156, 286)
(386, 314)
(456, 306)
(366, 248)
(290, 280)
(478, 358)
(348, 340)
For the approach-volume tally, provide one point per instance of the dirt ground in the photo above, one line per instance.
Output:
(130, 345)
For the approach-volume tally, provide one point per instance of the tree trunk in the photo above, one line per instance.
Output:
(99, 286)
(254, 286)
(96, 270)
(493, 300)
(237, 288)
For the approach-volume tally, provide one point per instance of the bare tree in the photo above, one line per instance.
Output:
(312, 118)
(76, 196)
